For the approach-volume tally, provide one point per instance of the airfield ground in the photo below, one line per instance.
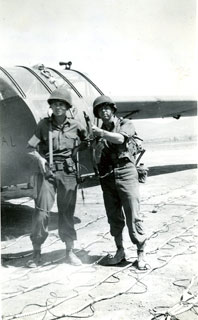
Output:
(59, 291)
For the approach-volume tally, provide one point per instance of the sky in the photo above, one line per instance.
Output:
(127, 47)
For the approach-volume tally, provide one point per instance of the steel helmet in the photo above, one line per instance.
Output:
(102, 100)
(61, 94)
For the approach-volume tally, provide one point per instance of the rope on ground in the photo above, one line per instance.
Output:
(15, 241)
(17, 316)
(165, 226)
(42, 268)
(25, 290)
(167, 242)
(24, 255)
(188, 301)
(100, 299)
(96, 300)
(167, 192)
(189, 250)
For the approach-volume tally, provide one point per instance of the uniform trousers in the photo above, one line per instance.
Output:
(65, 185)
(122, 201)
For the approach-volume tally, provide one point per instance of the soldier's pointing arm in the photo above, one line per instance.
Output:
(113, 137)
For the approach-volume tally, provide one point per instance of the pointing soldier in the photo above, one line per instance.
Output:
(58, 133)
(115, 154)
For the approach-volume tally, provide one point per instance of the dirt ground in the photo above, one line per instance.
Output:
(168, 289)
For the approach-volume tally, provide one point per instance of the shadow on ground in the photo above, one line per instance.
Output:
(153, 171)
(53, 258)
(56, 257)
(16, 220)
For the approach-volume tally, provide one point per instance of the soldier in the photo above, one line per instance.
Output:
(62, 133)
(115, 153)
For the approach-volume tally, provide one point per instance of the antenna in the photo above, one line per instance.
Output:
(66, 64)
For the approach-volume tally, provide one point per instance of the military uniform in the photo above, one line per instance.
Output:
(63, 180)
(119, 182)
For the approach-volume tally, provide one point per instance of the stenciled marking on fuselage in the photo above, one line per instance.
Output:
(7, 141)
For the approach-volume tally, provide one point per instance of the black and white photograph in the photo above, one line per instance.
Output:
(98, 119)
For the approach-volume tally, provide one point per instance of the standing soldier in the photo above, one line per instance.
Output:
(115, 153)
(55, 139)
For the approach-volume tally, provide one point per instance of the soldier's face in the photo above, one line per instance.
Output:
(59, 108)
(105, 112)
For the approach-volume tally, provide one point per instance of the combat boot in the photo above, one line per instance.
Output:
(120, 254)
(36, 259)
(71, 258)
(141, 263)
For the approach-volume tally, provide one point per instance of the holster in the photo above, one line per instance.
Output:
(142, 173)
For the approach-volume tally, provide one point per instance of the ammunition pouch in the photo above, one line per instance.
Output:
(58, 166)
(69, 165)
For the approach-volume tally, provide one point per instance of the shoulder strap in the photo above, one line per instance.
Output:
(50, 145)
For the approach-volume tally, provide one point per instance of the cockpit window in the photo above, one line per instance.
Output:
(54, 80)
(87, 90)
(28, 82)
(6, 87)
(80, 87)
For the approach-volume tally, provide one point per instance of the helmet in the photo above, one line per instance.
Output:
(61, 94)
(102, 100)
